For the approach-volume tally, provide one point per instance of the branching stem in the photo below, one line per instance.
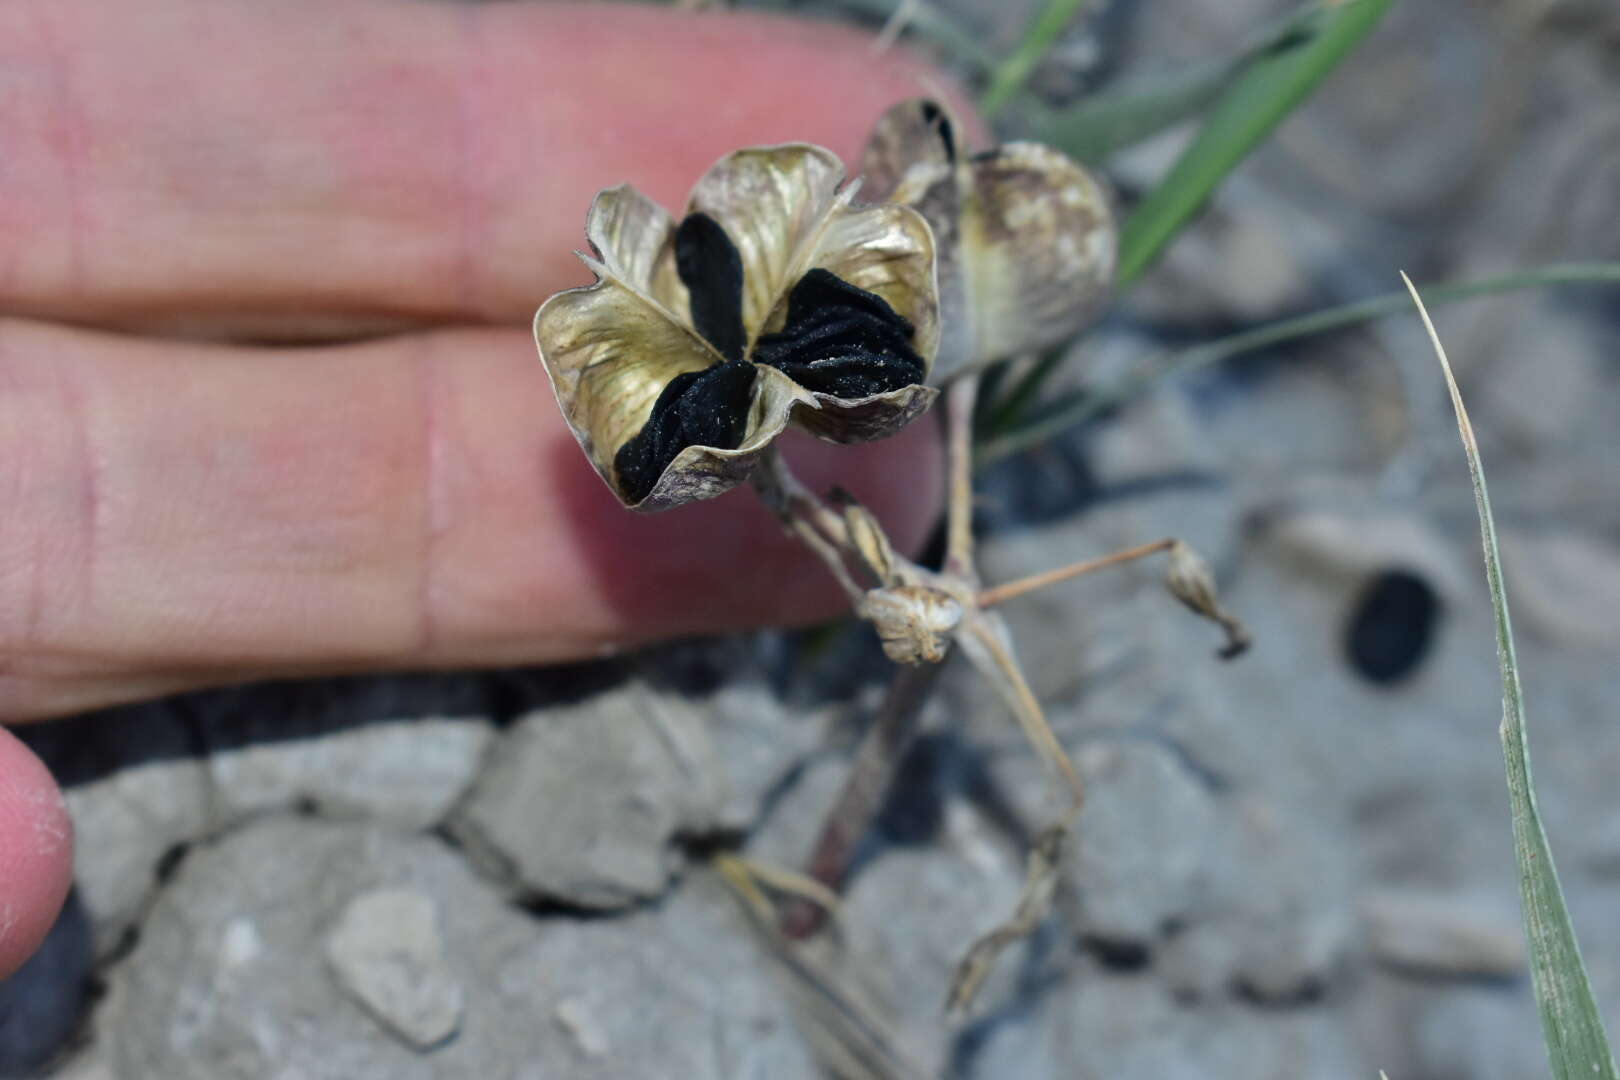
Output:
(1002, 593)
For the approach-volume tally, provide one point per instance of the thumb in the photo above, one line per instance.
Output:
(36, 853)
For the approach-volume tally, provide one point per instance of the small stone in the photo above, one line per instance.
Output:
(229, 980)
(124, 824)
(1442, 936)
(387, 953)
(757, 740)
(410, 772)
(582, 803)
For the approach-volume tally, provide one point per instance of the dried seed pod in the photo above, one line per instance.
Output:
(774, 300)
(1191, 580)
(1027, 238)
(915, 622)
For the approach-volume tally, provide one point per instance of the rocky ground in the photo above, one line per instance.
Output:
(1295, 865)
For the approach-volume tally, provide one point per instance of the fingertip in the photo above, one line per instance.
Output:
(36, 853)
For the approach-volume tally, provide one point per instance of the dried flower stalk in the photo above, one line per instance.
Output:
(778, 299)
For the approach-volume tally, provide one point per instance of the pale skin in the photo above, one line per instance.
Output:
(269, 404)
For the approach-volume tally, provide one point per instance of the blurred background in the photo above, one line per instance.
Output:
(1294, 865)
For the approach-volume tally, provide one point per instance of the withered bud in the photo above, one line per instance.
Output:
(869, 540)
(914, 621)
(1026, 238)
(1191, 580)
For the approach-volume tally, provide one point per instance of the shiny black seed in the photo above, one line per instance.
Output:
(1392, 626)
(841, 340)
(711, 269)
(698, 408)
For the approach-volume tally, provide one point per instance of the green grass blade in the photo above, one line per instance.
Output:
(1079, 406)
(1252, 106)
(1570, 1022)
(1116, 118)
(1011, 74)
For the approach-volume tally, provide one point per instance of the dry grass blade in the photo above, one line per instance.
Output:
(1577, 1045)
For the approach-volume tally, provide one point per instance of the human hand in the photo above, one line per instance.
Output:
(269, 404)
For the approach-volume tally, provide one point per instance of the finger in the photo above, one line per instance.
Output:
(36, 853)
(359, 165)
(184, 514)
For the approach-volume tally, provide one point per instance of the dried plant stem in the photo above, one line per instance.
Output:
(984, 643)
(918, 613)
(959, 403)
(1040, 885)
(786, 494)
(803, 514)
(1002, 593)
(870, 776)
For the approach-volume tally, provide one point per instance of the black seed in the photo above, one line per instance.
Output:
(933, 114)
(711, 269)
(698, 408)
(841, 340)
(1392, 626)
